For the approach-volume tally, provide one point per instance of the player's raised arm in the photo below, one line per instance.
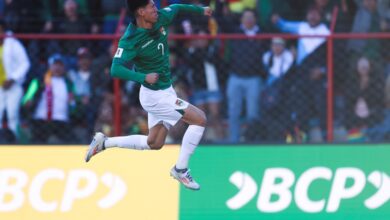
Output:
(170, 12)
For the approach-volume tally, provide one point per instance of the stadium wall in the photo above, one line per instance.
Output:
(241, 182)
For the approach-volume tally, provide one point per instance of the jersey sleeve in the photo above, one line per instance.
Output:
(169, 13)
(119, 70)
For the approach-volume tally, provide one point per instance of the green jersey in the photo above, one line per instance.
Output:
(148, 49)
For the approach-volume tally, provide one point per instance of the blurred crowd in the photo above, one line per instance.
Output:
(272, 90)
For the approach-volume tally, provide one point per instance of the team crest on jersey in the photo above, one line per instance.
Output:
(162, 30)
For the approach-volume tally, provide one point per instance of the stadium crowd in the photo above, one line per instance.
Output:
(60, 91)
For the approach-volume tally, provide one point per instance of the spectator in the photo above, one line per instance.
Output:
(72, 22)
(345, 17)
(22, 15)
(244, 83)
(326, 8)
(384, 9)
(265, 8)
(111, 10)
(277, 62)
(49, 100)
(226, 20)
(202, 61)
(367, 19)
(14, 65)
(53, 9)
(307, 91)
(364, 105)
(312, 26)
(82, 80)
(105, 119)
(103, 97)
(381, 131)
(92, 84)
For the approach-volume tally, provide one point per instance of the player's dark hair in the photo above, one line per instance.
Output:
(133, 5)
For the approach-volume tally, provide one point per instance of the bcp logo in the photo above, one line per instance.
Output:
(78, 184)
(279, 182)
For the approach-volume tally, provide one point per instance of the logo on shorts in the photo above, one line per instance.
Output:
(179, 102)
(162, 30)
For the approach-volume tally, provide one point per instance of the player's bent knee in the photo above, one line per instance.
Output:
(155, 145)
(202, 119)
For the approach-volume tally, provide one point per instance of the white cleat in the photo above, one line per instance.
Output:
(96, 145)
(185, 178)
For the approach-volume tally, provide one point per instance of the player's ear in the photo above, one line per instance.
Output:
(141, 11)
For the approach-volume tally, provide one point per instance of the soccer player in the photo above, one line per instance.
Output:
(145, 44)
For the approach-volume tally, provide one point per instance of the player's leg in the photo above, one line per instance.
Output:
(154, 141)
(161, 115)
(157, 136)
(194, 116)
(197, 122)
(100, 142)
(196, 119)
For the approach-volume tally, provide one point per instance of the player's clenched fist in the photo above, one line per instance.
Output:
(208, 11)
(151, 78)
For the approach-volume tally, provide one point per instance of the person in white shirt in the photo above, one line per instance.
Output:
(312, 26)
(277, 61)
(14, 65)
(50, 99)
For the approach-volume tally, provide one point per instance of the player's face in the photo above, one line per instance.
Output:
(149, 12)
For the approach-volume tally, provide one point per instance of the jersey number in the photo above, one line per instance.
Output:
(161, 46)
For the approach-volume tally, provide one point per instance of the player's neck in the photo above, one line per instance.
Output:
(141, 23)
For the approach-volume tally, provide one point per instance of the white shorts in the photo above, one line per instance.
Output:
(162, 106)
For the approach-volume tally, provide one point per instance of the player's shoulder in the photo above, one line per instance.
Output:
(166, 12)
(130, 38)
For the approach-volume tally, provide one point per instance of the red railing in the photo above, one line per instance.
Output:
(329, 97)
(335, 36)
(330, 48)
(117, 89)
